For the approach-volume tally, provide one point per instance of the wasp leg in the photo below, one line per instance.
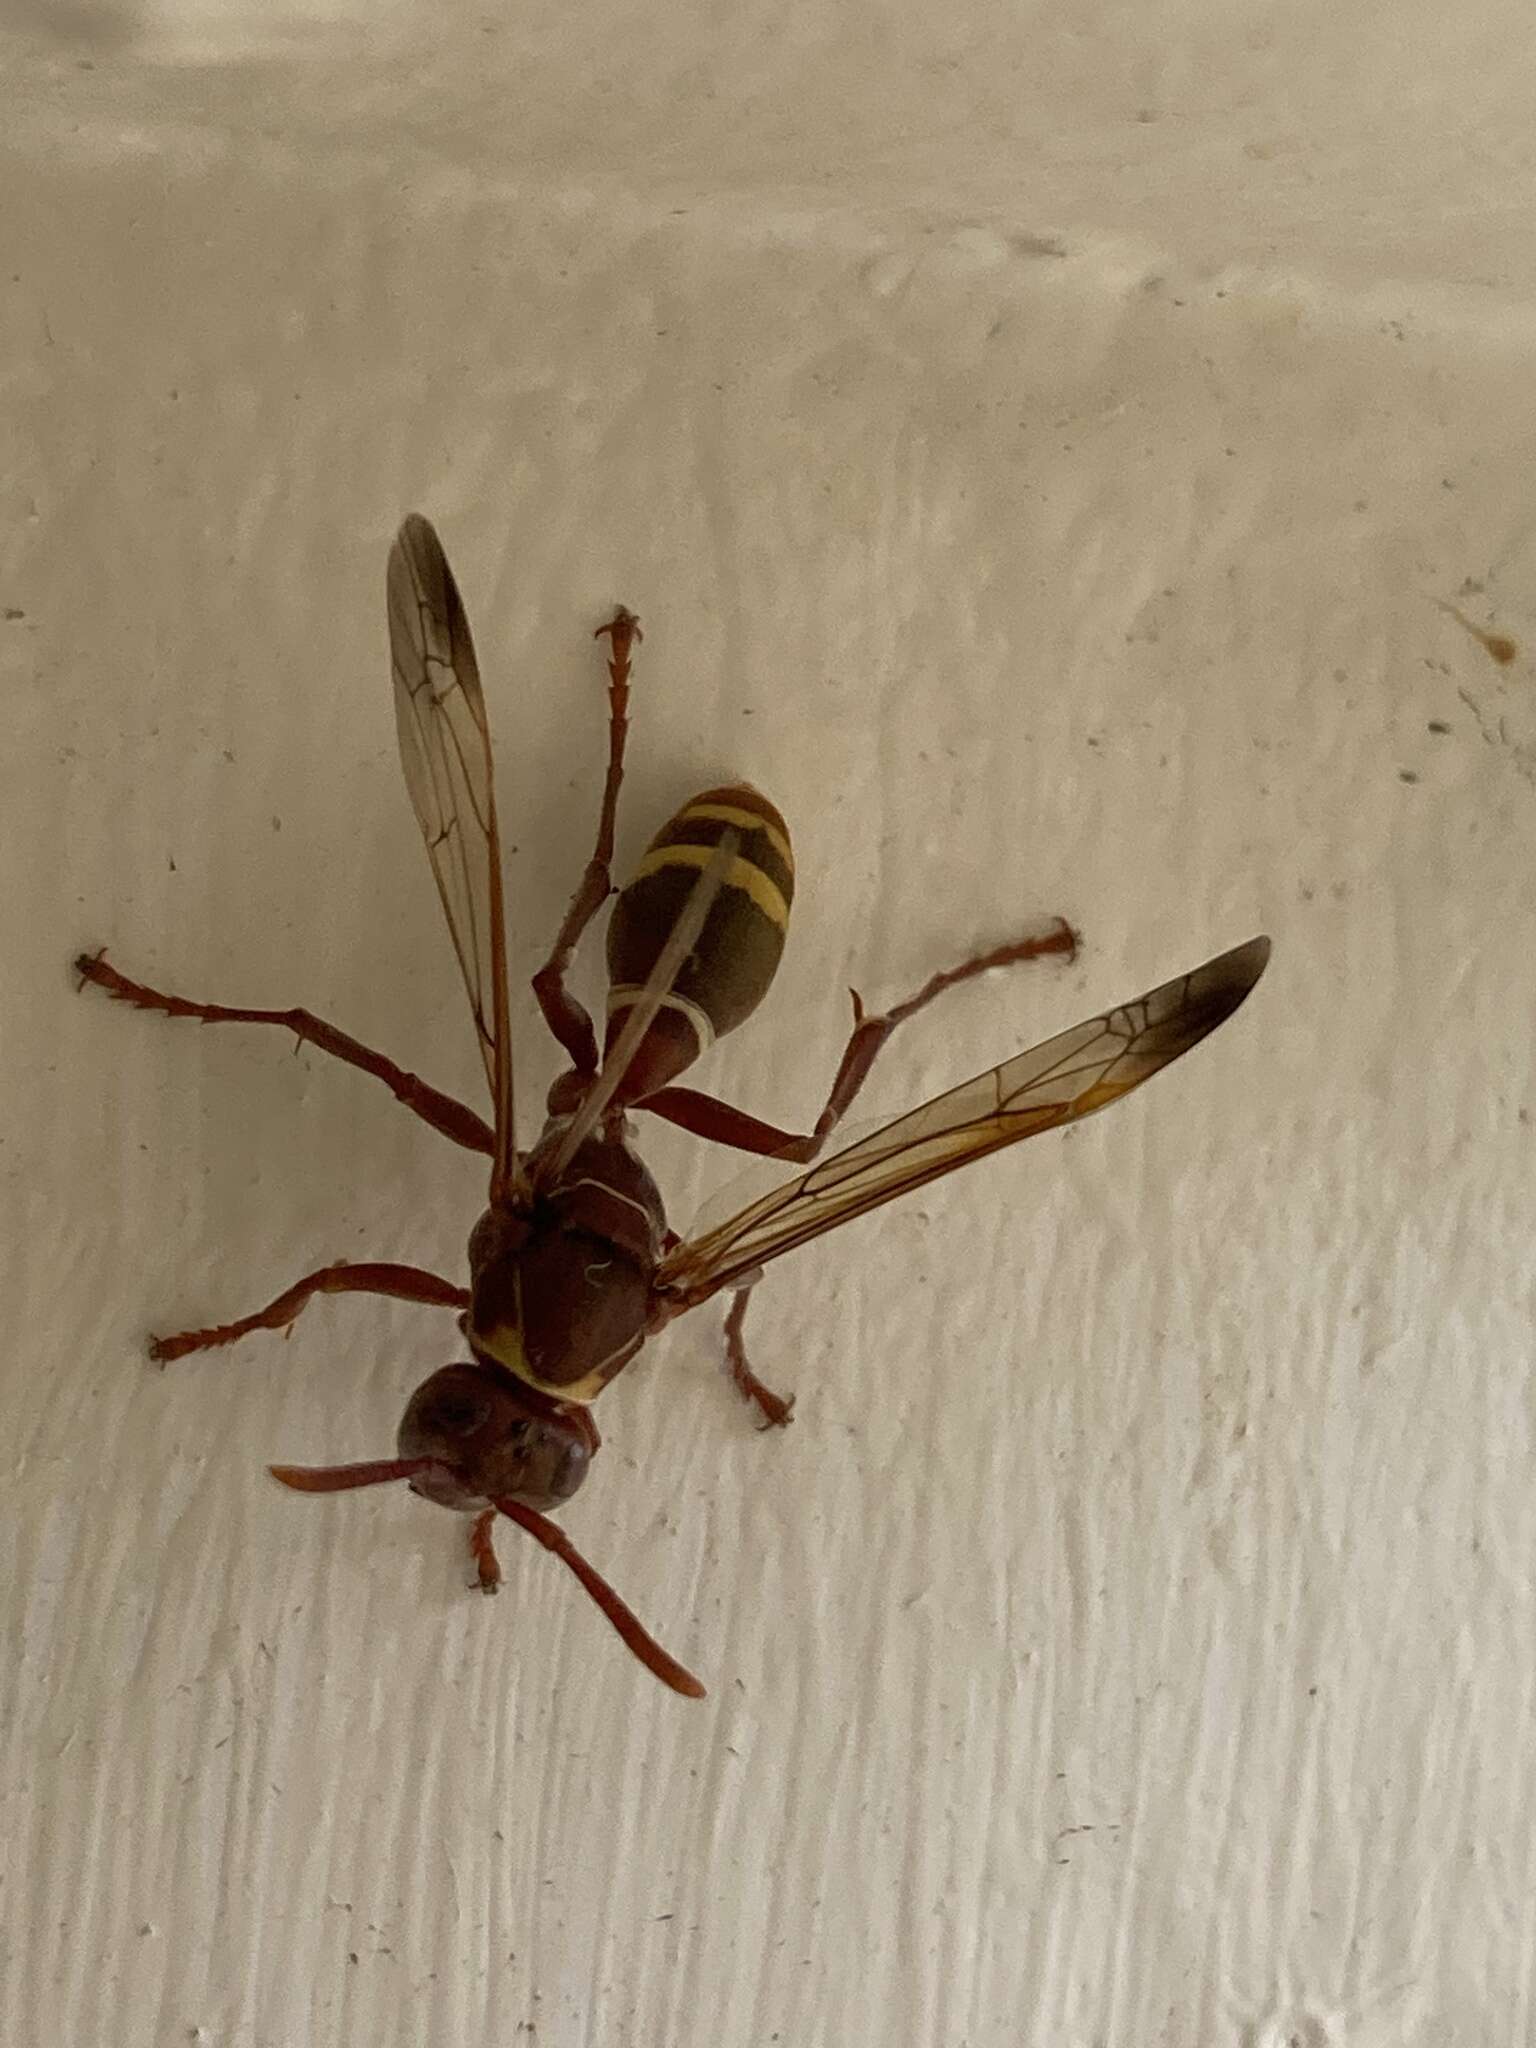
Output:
(405, 1283)
(709, 1118)
(482, 1548)
(566, 1017)
(776, 1410)
(454, 1119)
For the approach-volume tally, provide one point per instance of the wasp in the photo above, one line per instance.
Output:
(572, 1266)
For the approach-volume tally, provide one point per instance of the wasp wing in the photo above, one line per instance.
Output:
(445, 749)
(1069, 1076)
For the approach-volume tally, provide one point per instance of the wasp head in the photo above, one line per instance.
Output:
(490, 1439)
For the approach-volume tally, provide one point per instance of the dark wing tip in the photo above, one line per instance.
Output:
(418, 555)
(418, 573)
(420, 552)
(1239, 970)
(1213, 991)
(417, 530)
(1182, 1012)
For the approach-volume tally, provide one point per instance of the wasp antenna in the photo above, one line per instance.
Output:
(639, 1639)
(342, 1478)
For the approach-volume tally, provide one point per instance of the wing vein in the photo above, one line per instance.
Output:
(1065, 1078)
(445, 750)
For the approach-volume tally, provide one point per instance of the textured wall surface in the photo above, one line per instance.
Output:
(1046, 447)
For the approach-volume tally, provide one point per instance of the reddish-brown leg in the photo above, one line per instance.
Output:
(566, 1018)
(405, 1283)
(482, 1548)
(776, 1410)
(707, 1117)
(454, 1119)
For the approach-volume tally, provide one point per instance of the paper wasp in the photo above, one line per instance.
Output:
(572, 1266)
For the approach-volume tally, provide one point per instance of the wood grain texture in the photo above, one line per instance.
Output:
(1131, 1642)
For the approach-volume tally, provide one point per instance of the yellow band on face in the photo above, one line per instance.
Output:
(741, 874)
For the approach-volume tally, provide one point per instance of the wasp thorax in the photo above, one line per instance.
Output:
(491, 1443)
(561, 1295)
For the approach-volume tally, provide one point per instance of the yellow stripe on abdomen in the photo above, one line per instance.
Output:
(741, 874)
(745, 821)
(621, 995)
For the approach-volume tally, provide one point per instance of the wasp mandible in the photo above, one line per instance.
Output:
(572, 1266)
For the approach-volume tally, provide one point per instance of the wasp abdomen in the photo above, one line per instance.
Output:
(727, 974)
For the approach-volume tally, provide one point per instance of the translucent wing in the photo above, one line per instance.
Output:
(445, 749)
(1070, 1076)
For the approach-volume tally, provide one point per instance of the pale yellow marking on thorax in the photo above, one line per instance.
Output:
(505, 1345)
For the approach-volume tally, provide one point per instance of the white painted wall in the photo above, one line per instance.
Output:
(1041, 442)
